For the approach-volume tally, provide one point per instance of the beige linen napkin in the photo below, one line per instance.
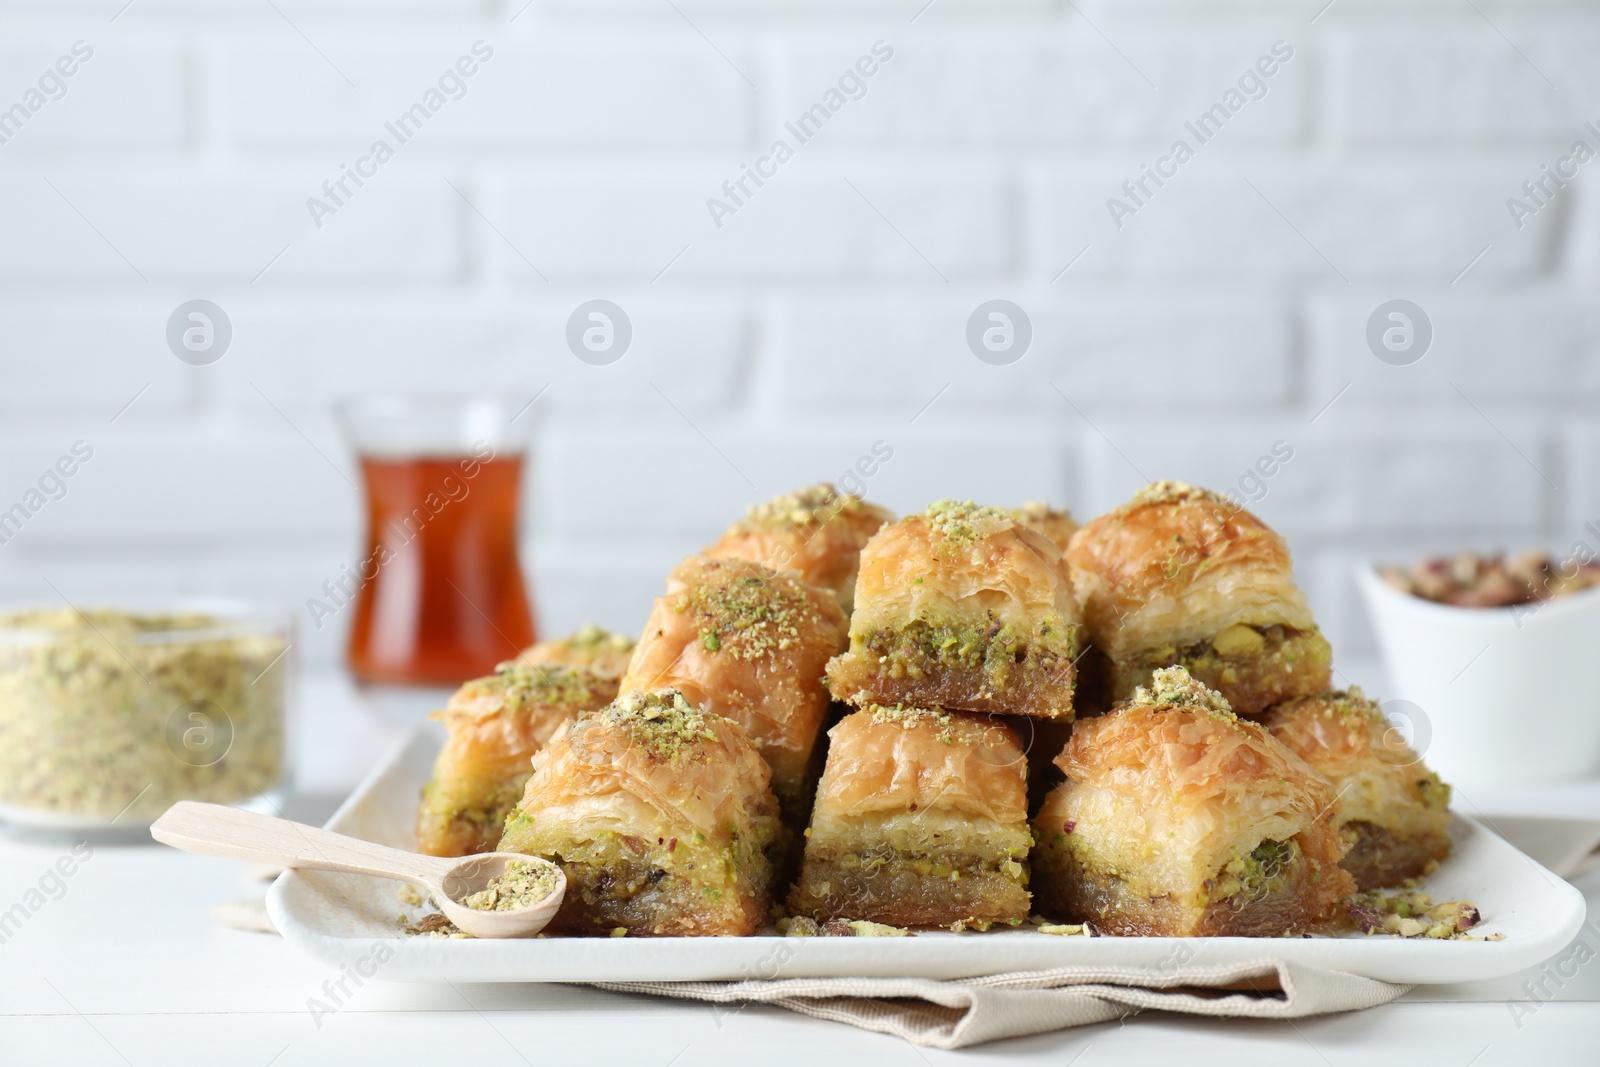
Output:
(957, 1014)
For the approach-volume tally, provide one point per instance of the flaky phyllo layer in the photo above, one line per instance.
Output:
(661, 816)
(1178, 817)
(739, 640)
(962, 607)
(920, 818)
(494, 726)
(1394, 811)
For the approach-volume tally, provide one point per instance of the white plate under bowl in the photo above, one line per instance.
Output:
(344, 919)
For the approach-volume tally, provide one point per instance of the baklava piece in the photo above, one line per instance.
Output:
(1054, 523)
(589, 646)
(1181, 576)
(1394, 811)
(961, 607)
(740, 640)
(1180, 819)
(494, 725)
(921, 819)
(661, 817)
(817, 531)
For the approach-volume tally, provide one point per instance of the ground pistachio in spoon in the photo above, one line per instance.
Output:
(216, 830)
(522, 885)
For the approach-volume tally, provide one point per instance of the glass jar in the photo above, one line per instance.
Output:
(109, 715)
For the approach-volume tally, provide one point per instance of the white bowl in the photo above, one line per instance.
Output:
(1501, 695)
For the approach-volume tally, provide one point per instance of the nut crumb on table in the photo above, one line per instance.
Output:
(1407, 913)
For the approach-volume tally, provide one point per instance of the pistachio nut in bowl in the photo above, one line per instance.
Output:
(108, 715)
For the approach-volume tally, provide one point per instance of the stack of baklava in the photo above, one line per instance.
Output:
(1204, 781)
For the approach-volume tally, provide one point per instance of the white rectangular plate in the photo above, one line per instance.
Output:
(351, 920)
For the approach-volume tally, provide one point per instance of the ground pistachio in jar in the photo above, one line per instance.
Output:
(107, 715)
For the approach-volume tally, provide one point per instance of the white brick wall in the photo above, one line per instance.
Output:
(829, 311)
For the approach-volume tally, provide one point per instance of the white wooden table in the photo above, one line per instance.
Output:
(127, 967)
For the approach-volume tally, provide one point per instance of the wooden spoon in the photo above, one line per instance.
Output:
(216, 830)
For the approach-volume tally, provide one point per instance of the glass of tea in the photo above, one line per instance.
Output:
(441, 596)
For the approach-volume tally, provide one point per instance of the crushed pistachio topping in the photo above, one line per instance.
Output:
(1175, 687)
(812, 506)
(746, 613)
(543, 683)
(1407, 913)
(905, 715)
(1063, 929)
(593, 638)
(661, 722)
(522, 885)
(1349, 703)
(861, 928)
(410, 895)
(962, 521)
(1169, 492)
